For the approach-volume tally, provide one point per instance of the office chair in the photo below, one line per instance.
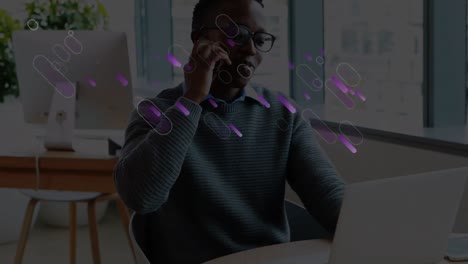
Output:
(301, 224)
(72, 198)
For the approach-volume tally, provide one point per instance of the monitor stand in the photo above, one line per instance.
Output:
(61, 122)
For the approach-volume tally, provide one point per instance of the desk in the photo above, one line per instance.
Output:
(307, 251)
(84, 170)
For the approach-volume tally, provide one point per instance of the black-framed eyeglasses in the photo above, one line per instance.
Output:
(241, 34)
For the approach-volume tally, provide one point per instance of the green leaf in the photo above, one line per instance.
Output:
(102, 9)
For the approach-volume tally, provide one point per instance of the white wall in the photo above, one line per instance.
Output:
(377, 160)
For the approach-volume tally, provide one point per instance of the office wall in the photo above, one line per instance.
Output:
(378, 159)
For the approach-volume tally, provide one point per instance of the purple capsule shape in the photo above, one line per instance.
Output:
(54, 77)
(72, 43)
(348, 74)
(351, 132)
(287, 104)
(61, 53)
(123, 81)
(154, 117)
(213, 103)
(339, 84)
(32, 24)
(217, 125)
(182, 108)
(225, 77)
(227, 26)
(173, 60)
(319, 126)
(91, 82)
(342, 97)
(347, 144)
(309, 77)
(263, 101)
(175, 56)
(234, 128)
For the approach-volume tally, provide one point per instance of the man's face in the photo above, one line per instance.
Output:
(244, 13)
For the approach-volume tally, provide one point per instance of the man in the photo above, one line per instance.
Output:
(213, 182)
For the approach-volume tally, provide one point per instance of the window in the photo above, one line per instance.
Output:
(121, 19)
(383, 42)
(273, 73)
(400, 49)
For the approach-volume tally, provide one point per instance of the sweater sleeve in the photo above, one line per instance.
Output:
(150, 163)
(312, 176)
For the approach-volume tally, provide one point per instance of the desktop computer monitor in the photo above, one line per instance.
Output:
(71, 79)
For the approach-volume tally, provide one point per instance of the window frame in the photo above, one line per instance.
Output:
(305, 16)
(445, 49)
(153, 16)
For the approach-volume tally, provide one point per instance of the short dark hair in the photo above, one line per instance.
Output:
(202, 7)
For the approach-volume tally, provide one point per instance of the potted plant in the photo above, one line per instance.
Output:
(67, 15)
(9, 198)
(8, 81)
(49, 15)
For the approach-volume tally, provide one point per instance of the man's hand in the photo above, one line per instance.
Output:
(198, 72)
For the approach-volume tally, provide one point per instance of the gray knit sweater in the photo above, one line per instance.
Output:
(207, 190)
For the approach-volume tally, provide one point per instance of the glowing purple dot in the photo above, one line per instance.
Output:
(122, 80)
(309, 57)
(322, 52)
(347, 144)
(233, 128)
(287, 104)
(182, 108)
(173, 61)
(291, 66)
(307, 96)
(231, 42)
(91, 82)
(263, 101)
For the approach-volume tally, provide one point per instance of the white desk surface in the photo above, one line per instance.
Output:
(300, 252)
(305, 251)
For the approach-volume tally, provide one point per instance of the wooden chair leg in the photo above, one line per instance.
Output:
(72, 228)
(93, 231)
(25, 230)
(125, 217)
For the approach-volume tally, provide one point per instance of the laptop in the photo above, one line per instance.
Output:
(404, 220)
(400, 220)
